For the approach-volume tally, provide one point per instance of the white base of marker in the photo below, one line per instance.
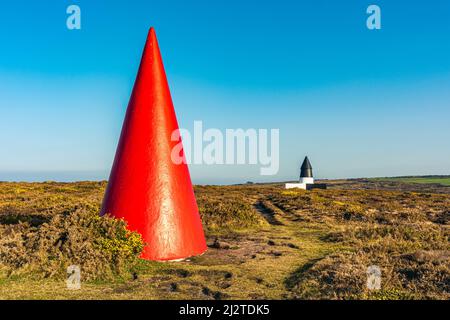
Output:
(295, 185)
(309, 180)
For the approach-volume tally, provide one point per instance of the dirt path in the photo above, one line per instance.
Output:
(257, 264)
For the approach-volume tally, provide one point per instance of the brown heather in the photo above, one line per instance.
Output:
(265, 243)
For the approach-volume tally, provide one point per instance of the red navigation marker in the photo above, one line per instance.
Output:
(146, 188)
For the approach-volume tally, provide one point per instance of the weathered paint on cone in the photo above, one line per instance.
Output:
(149, 191)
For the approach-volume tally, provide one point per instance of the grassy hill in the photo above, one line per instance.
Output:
(442, 180)
(264, 243)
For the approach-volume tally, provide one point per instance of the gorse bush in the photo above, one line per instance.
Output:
(101, 246)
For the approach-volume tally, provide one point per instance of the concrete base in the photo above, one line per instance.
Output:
(316, 186)
(307, 180)
(305, 186)
(295, 185)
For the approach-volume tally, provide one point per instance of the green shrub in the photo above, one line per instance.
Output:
(101, 246)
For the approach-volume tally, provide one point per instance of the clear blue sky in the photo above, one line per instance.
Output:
(358, 102)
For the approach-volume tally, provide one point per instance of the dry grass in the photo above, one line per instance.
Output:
(265, 243)
(405, 234)
(224, 208)
(43, 232)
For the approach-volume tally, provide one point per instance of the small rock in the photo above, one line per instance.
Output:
(293, 246)
(259, 280)
(276, 253)
(173, 287)
(225, 285)
(218, 295)
(206, 291)
(219, 244)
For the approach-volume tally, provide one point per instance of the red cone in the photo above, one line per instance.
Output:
(149, 191)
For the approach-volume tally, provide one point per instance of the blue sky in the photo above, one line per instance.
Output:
(358, 102)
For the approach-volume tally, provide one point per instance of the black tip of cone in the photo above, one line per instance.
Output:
(306, 164)
(306, 169)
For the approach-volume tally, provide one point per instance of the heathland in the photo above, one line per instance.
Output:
(264, 243)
